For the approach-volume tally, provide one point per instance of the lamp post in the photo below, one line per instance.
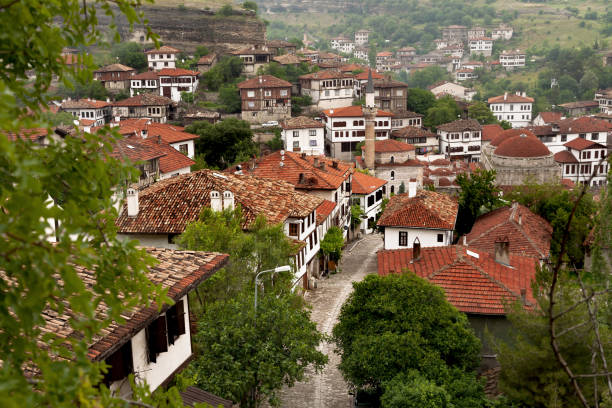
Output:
(284, 268)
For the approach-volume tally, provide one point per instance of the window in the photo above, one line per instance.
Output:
(296, 133)
(312, 132)
(183, 148)
(165, 64)
(121, 364)
(267, 93)
(157, 339)
(175, 317)
(283, 92)
(370, 200)
(251, 104)
(313, 142)
(564, 138)
(440, 237)
(296, 144)
(293, 230)
(339, 124)
(403, 238)
(250, 94)
(392, 175)
(594, 136)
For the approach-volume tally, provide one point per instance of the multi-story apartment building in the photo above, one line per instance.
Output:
(265, 98)
(162, 57)
(461, 140)
(513, 108)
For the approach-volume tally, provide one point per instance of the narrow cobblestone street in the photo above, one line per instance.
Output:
(328, 388)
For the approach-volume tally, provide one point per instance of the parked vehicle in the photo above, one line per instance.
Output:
(271, 123)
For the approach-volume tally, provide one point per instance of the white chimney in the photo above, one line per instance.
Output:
(412, 188)
(502, 251)
(117, 118)
(505, 96)
(228, 200)
(215, 201)
(132, 202)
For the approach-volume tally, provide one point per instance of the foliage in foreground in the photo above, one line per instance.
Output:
(422, 343)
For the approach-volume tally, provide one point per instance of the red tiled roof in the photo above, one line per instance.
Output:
(407, 163)
(528, 233)
(327, 74)
(390, 146)
(364, 75)
(164, 49)
(34, 134)
(584, 124)
(173, 160)
(136, 150)
(115, 68)
(568, 183)
(490, 132)
(301, 122)
(441, 162)
(169, 205)
(84, 104)
(427, 209)
(264, 81)
(295, 164)
(582, 144)
(207, 59)
(510, 133)
(324, 210)
(412, 131)
(351, 112)
(461, 125)
(549, 117)
(472, 284)
(174, 72)
(366, 184)
(146, 75)
(145, 99)
(384, 54)
(565, 157)
(86, 122)
(444, 182)
(522, 146)
(510, 98)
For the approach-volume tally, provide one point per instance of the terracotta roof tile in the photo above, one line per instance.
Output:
(164, 49)
(366, 184)
(565, 157)
(390, 146)
(364, 75)
(324, 210)
(136, 150)
(264, 81)
(528, 233)
(412, 131)
(301, 122)
(169, 205)
(115, 68)
(510, 133)
(549, 117)
(34, 134)
(582, 144)
(522, 146)
(472, 284)
(490, 132)
(580, 104)
(427, 209)
(174, 72)
(510, 98)
(146, 75)
(460, 125)
(84, 104)
(584, 124)
(207, 59)
(145, 99)
(173, 160)
(327, 74)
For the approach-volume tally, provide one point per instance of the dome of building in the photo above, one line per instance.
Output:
(507, 134)
(522, 146)
(444, 182)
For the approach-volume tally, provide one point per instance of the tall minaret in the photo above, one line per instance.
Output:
(369, 112)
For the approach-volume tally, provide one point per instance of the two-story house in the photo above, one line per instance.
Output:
(465, 74)
(342, 44)
(555, 135)
(265, 98)
(503, 32)
(174, 81)
(461, 140)
(253, 58)
(143, 155)
(362, 37)
(145, 105)
(389, 95)
(206, 62)
(455, 90)
(513, 108)
(162, 57)
(368, 192)
(145, 82)
(97, 111)
(328, 89)
(361, 80)
(512, 59)
(424, 217)
(481, 45)
(280, 47)
(383, 60)
(345, 128)
(475, 32)
(161, 212)
(303, 134)
(582, 159)
(114, 77)
(406, 118)
(423, 140)
(405, 55)
(454, 33)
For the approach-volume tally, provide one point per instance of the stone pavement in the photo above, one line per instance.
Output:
(328, 388)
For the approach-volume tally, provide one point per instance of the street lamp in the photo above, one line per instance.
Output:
(284, 268)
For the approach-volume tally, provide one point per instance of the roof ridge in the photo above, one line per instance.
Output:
(527, 237)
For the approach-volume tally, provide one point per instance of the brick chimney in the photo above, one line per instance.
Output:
(502, 251)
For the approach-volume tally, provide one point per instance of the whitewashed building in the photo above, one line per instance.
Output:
(328, 89)
(481, 45)
(342, 44)
(302, 134)
(162, 57)
(461, 140)
(362, 37)
(174, 81)
(513, 108)
(368, 192)
(503, 32)
(512, 59)
(582, 159)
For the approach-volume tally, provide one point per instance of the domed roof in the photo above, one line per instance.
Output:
(444, 182)
(522, 146)
(507, 134)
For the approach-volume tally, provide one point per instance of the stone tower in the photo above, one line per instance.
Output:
(369, 112)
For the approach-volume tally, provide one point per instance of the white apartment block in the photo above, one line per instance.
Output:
(163, 57)
(513, 108)
(328, 89)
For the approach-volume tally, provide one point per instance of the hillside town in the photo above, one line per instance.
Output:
(296, 223)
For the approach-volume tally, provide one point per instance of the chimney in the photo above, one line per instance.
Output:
(303, 156)
(505, 96)
(316, 161)
(132, 202)
(520, 219)
(322, 166)
(335, 164)
(465, 240)
(215, 201)
(416, 250)
(301, 179)
(117, 118)
(159, 140)
(412, 188)
(238, 169)
(228, 200)
(260, 79)
(502, 251)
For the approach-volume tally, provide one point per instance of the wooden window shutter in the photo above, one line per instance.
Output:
(120, 363)
(149, 332)
(180, 317)
(171, 322)
(161, 337)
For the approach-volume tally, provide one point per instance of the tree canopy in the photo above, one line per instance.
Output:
(478, 195)
(420, 100)
(130, 54)
(421, 342)
(444, 110)
(481, 112)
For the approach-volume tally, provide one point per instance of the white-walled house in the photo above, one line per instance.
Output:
(583, 158)
(162, 57)
(481, 45)
(425, 217)
(452, 89)
(512, 59)
(145, 82)
(151, 344)
(342, 44)
(503, 32)
(461, 140)
(302, 134)
(328, 89)
(513, 108)
(368, 192)
(97, 111)
(173, 81)
(556, 135)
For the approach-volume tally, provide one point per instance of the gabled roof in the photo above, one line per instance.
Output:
(34, 134)
(390, 146)
(167, 206)
(164, 49)
(565, 157)
(327, 74)
(145, 99)
(528, 233)
(366, 184)
(173, 160)
(289, 59)
(461, 125)
(549, 117)
(510, 98)
(296, 164)
(136, 150)
(177, 271)
(584, 124)
(582, 144)
(84, 104)
(146, 75)
(194, 395)
(412, 131)
(490, 132)
(168, 133)
(384, 54)
(473, 283)
(363, 76)
(427, 209)
(207, 59)
(264, 81)
(580, 104)
(324, 210)
(175, 72)
(389, 83)
(301, 122)
(115, 68)
(351, 112)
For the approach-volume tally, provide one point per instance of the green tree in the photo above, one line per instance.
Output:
(332, 243)
(478, 195)
(56, 119)
(420, 100)
(481, 112)
(250, 5)
(230, 98)
(414, 391)
(415, 333)
(356, 215)
(130, 54)
(426, 77)
(227, 70)
(225, 11)
(77, 90)
(201, 51)
(444, 110)
(224, 143)
(298, 103)
(402, 188)
(247, 355)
